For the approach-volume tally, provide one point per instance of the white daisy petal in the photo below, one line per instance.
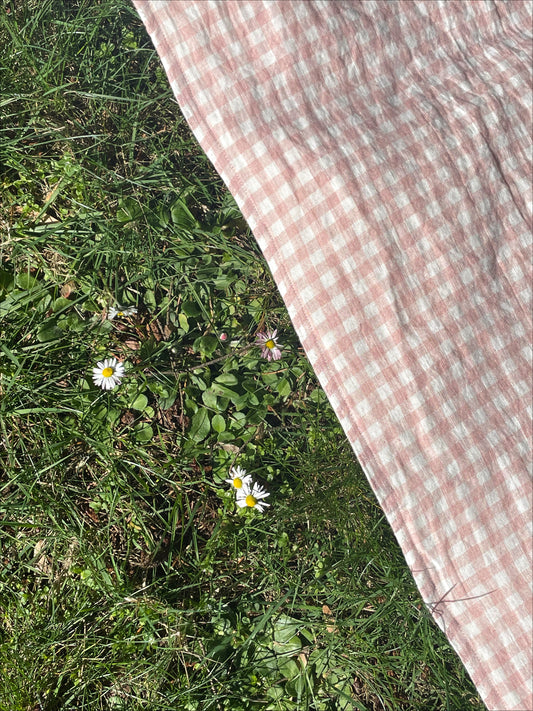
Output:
(108, 373)
(121, 311)
(251, 496)
(269, 344)
(239, 478)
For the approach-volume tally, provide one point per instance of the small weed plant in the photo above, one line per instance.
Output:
(183, 525)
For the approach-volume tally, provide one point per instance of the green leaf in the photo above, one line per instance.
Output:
(197, 380)
(44, 302)
(112, 415)
(183, 322)
(252, 399)
(129, 210)
(223, 391)
(92, 306)
(275, 692)
(158, 389)
(107, 326)
(209, 398)
(222, 404)
(269, 378)
(163, 215)
(251, 386)
(100, 412)
(166, 402)
(320, 658)
(223, 281)
(74, 322)
(226, 436)
(140, 402)
(191, 308)
(318, 395)
(285, 628)
(182, 216)
(227, 379)
(48, 332)
(190, 406)
(26, 281)
(200, 425)
(149, 298)
(256, 414)
(218, 423)
(143, 432)
(289, 669)
(206, 344)
(6, 280)
(60, 303)
(284, 387)
(238, 420)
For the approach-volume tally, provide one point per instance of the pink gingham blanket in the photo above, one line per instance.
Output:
(380, 152)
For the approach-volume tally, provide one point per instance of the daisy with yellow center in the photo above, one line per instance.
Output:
(120, 311)
(239, 478)
(270, 346)
(251, 497)
(108, 373)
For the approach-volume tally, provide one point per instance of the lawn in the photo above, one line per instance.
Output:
(133, 575)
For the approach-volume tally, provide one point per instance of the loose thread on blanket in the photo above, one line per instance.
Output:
(432, 606)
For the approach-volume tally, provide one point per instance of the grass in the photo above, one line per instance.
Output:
(129, 579)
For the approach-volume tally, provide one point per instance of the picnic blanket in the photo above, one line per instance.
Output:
(380, 152)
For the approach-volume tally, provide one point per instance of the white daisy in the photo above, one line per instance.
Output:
(251, 496)
(108, 373)
(269, 344)
(121, 311)
(239, 478)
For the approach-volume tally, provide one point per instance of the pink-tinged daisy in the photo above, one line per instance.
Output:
(270, 346)
(251, 496)
(239, 478)
(108, 373)
(120, 311)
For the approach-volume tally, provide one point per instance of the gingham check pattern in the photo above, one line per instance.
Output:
(380, 152)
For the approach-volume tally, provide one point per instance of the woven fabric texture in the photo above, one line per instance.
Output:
(381, 152)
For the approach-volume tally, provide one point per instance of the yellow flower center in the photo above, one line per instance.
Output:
(120, 313)
(107, 372)
(250, 500)
(237, 483)
(270, 344)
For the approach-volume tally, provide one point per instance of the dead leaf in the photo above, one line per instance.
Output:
(330, 619)
(67, 289)
(43, 562)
